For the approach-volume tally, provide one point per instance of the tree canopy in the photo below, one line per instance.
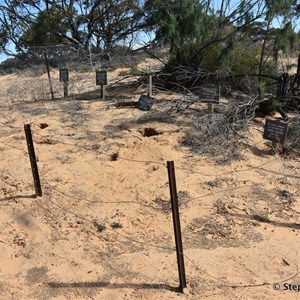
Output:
(90, 22)
(193, 29)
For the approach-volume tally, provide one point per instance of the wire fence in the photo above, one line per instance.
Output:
(91, 220)
(96, 150)
(57, 198)
(73, 57)
(63, 201)
(31, 84)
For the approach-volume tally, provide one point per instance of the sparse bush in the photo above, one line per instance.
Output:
(236, 65)
(35, 71)
(125, 72)
(133, 70)
(218, 134)
(292, 144)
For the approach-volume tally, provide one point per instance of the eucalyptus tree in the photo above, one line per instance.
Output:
(81, 22)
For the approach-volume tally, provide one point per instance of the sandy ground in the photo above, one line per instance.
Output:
(103, 227)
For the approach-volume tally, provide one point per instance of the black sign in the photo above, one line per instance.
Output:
(209, 93)
(63, 75)
(275, 130)
(145, 103)
(101, 78)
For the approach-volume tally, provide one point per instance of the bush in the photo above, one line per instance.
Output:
(133, 71)
(234, 63)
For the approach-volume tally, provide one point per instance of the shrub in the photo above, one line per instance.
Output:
(235, 63)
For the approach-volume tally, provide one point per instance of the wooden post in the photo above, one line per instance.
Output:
(64, 77)
(274, 145)
(150, 86)
(65, 89)
(176, 224)
(34, 168)
(102, 92)
(49, 77)
(210, 107)
(101, 79)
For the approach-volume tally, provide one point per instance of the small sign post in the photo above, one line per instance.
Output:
(64, 77)
(210, 94)
(150, 86)
(145, 103)
(275, 131)
(101, 79)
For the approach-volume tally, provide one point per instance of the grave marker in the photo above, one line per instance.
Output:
(275, 131)
(64, 77)
(101, 79)
(210, 93)
(145, 103)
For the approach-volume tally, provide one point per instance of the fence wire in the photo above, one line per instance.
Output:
(54, 192)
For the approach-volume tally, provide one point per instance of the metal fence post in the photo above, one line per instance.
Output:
(176, 224)
(34, 168)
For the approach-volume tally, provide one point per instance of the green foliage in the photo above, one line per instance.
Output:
(3, 38)
(243, 58)
(186, 55)
(46, 28)
(85, 23)
(286, 40)
(215, 58)
(199, 35)
(184, 24)
(242, 62)
(285, 8)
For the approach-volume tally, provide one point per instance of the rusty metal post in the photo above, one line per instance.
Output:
(34, 168)
(49, 77)
(176, 224)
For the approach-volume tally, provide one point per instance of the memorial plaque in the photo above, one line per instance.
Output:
(209, 93)
(275, 131)
(63, 75)
(101, 78)
(145, 103)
